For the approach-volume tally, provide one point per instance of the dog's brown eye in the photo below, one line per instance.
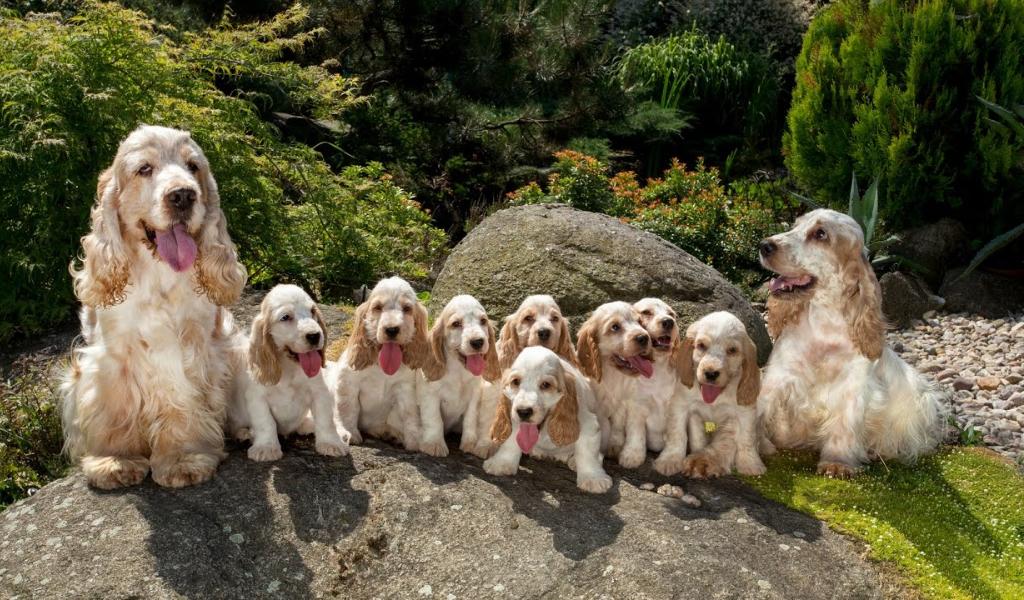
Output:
(407, 309)
(646, 313)
(733, 350)
(515, 382)
(528, 319)
(820, 234)
(377, 308)
(554, 318)
(545, 386)
(285, 318)
(456, 324)
(483, 321)
(702, 346)
(145, 170)
(193, 166)
(615, 327)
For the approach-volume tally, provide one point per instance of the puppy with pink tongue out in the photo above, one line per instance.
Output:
(278, 387)
(451, 387)
(374, 382)
(549, 405)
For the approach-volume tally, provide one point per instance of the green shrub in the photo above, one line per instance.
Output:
(888, 88)
(74, 87)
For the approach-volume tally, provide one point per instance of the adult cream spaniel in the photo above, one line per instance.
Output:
(537, 322)
(549, 405)
(832, 382)
(450, 388)
(614, 350)
(723, 381)
(278, 378)
(374, 381)
(148, 389)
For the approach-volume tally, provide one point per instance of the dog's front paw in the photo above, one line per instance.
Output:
(669, 464)
(243, 434)
(189, 469)
(750, 465)
(482, 450)
(836, 470)
(112, 472)
(595, 484)
(702, 466)
(355, 437)
(331, 448)
(632, 458)
(500, 467)
(265, 452)
(434, 448)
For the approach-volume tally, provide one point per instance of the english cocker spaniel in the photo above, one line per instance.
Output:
(723, 382)
(549, 406)
(537, 322)
(615, 350)
(278, 379)
(832, 383)
(659, 404)
(147, 391)
(450, 390)
(374, 381)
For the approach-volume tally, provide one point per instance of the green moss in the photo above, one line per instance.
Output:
(953, 524)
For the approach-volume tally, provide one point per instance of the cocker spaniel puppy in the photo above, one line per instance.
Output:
(615, 350)
(831, 382)
(374, 382)
(451, 385)
(280, 381)
(723, 381)
(537, 322)
(148, 389)
(659, 405)
(549, 405)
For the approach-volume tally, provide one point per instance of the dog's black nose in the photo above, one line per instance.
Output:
(767, 248)
(182, 199)
(313, 338)
(711, 375)
(667, 324)
(524, 413)
(544, 334)
(392, 332)
(477, 344)
(642, 339)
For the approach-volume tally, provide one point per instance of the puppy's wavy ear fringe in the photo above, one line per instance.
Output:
(417, 352)
(323, 332)
(492, 370)
(682, 360)
(565, 347)
(501, 428)
(103, 276)
(750, 380)
(436, 361)
(863, 306)
(263, 355)
(508, 343)
(361, 350)
(564, 423)
(218, 271)
(588, 354)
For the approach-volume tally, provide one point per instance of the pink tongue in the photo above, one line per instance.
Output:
(643, 365)
(780, 282)
(475, 364)
(176, 247)
(527, 436)
(390, 357)
(310, 362)
(709, 392)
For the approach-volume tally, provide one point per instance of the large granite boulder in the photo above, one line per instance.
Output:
(905, 298)
(937, 247)
(584, 259)
(990, 295)
(384, 523)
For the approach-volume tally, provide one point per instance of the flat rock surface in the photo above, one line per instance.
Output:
(385, 523)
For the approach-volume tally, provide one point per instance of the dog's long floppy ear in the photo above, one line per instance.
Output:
(264, 362)
(565, 348)
(105, 264)
(563, 422)
(501, 428)
(436, 361)
(588, 354)
(508, 342)
(682, 358)
(417, 351)
(218, 271)
(323, 331)
(862, 306)
(750, 380)
(492, 370)
(361, 349)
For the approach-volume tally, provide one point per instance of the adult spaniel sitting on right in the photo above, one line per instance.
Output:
(832, 383)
